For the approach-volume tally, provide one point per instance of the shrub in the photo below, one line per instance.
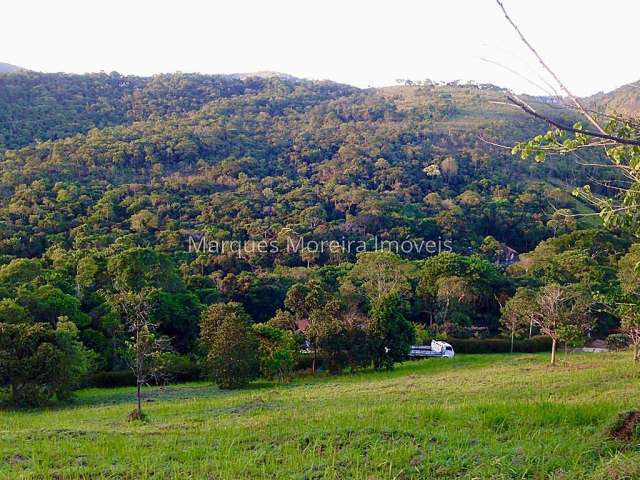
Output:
(500, 345)
(571, 335)
(177, 368)
(232, 347)
(423, 334)
(118, 378)
(181, 368)
(618, 341)
(535, 344)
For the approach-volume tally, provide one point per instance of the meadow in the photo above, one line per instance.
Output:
(471, 417)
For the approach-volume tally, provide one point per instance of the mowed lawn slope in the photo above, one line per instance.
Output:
(474, 416)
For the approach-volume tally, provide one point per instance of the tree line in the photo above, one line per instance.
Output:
(71, 313)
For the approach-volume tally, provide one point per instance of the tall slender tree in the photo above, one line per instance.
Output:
(144, 347)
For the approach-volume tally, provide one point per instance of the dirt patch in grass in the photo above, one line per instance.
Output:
(255, 404)
(179, 393)
(17, 459)
(627, 427)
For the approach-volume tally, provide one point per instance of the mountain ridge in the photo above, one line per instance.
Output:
(624, 101)
(9, 68)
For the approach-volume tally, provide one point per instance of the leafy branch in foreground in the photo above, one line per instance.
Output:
(619, 140)
(620, 209)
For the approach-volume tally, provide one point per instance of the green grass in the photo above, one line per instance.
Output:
(474, 417)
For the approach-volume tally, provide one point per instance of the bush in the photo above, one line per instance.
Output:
(572, 336)
(39, 363)
(178, 369)
(119, 378)
(181, 368)
(618, 341)
(500, 345)
(279, 352)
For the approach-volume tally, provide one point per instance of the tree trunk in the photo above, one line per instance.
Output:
(553, 351)
(636, 353)
(512, 334)
(139, 401)
(313, 363)
(446, 311)
(531, 327)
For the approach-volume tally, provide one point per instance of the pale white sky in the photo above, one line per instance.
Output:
(591, 43)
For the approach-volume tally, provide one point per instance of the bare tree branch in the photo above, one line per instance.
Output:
(567, 128)
(523, 77)
(573, 98)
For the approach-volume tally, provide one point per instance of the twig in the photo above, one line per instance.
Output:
(573, 98)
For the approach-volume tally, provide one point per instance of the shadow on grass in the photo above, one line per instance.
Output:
(124, 395)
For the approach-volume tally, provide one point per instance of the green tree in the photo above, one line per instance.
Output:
(453, 295)
(231, 344)
(40, 363)
(559, 308)
(279, 351)
(629, 310)
(21, 271)
(518, 312)
(140, 268)
(630, 326)
(390, 333)
(12, 312)
(629, 271)
(176, 316)
(48, 303)
(572, 336)
(492, 249)
(86, 271)
(378, 275)
(324, 334)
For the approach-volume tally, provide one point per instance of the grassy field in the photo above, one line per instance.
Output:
(473, 417)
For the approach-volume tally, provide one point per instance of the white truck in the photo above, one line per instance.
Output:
(436, 349)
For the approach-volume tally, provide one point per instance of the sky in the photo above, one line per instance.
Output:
(591, 44)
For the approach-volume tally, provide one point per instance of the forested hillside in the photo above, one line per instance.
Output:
(244, 156)
(105, 178)
(44, 106)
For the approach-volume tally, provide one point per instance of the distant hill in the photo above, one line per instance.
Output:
(8, 68)
(46, 106)
(624, 100)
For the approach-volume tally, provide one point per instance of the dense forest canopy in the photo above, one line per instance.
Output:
(185, 152)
